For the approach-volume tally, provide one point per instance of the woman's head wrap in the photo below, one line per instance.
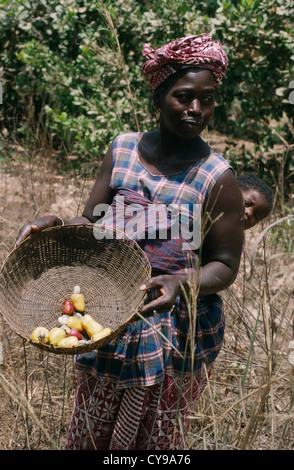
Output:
(195, 51)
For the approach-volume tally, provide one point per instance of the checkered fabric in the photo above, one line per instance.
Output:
(141, 356)
(190, 186)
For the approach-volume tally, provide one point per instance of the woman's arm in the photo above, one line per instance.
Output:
(221, 249)
(101, 193)
(222, 246)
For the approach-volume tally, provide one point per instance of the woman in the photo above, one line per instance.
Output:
(135, 392)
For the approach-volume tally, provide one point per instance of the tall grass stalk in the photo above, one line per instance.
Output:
(120, 56)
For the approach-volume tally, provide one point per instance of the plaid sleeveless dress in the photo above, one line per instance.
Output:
(141, 356)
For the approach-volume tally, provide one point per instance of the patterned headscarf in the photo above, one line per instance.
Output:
(195, 51)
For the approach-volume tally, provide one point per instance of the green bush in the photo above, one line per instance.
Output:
(71, 71)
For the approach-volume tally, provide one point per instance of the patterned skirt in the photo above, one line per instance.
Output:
(136, 418)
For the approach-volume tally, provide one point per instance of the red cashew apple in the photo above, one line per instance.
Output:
(68, 307)
(75, 332)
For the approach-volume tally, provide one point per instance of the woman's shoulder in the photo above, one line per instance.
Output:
(210, 169)
(126, 138)
(125, 151)
(216, 159)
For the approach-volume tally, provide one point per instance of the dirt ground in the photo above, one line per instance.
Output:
(249, 402)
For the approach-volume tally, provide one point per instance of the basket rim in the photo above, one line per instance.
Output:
(30, 238)
(94, 345)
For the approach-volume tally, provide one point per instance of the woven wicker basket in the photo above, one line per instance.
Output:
(42, 271)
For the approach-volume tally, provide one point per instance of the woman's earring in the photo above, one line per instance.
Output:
(157, 114)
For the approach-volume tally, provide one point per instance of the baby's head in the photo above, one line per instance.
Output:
(258, 199)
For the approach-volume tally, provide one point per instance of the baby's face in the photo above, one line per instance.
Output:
(256, 207)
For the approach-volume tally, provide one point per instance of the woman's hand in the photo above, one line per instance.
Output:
(170, 285)
(37, 226)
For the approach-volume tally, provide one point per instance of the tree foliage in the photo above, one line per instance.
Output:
(71, 70)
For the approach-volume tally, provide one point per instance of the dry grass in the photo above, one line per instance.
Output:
(250, 399)
(37, 389)
(248, 404)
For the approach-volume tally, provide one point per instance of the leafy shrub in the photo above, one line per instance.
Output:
(72, 80)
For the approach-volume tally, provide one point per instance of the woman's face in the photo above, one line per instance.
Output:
(188, 105)
(256, 207)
